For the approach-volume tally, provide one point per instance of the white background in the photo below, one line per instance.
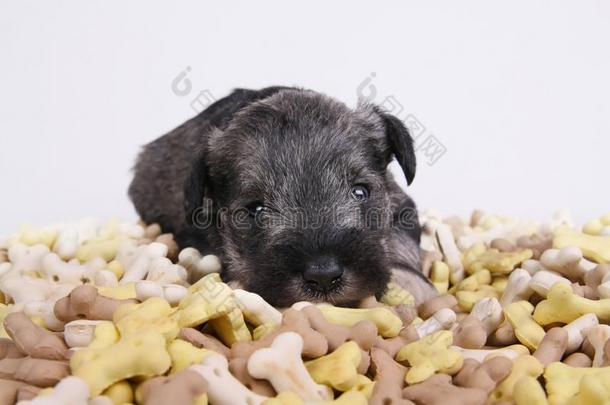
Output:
(517, 92)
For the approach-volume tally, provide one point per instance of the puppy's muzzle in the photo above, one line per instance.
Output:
(323, 273)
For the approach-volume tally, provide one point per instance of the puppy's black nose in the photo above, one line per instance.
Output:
(323, 273)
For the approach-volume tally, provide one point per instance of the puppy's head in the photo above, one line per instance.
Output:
(297, 184)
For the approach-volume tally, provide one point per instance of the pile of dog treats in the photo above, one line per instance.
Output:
(113, 313)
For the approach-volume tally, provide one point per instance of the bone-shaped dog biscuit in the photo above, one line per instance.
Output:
(563, 381)
(34, 340)
(79, 333)
(207, 299)
(388, 324)
(562, 305)
(184, 354)
(84, 302)
(495, 261)
(223, 388)
(518, 314)
(429, 355)
(364, 333)
(596, 248)
(568, 261)
(338, 369)
(182, 388)
(523, 366)
(282, 366)
(255, 309)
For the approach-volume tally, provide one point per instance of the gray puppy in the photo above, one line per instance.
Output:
(289, 187)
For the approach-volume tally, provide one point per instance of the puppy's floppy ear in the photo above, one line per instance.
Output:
(194, 188)
(400, 143)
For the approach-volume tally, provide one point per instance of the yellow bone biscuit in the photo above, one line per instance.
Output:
(593, 390)
(137, 355)
(439, 274)
(429, 355)
(116, 268)
(140, 352)
(468, 299)
(388, 324)
(499, 283)
(103, 247)
(263, 330)
(598, 226)
(562, 305)
(122, 292)
(523, 366)
(30, 236)
(153, 314)
(495, 261)
(119, 393)
(364, 385)
(526, 329)
(184, 354)
(337, 369)
(231, 327)
(563, 381)
(396, 295)
(528, 391)
(472, 282)
(596, 248)
(207, 299)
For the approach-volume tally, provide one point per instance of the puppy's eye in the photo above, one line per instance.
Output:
(360, 192)
(255, 208)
